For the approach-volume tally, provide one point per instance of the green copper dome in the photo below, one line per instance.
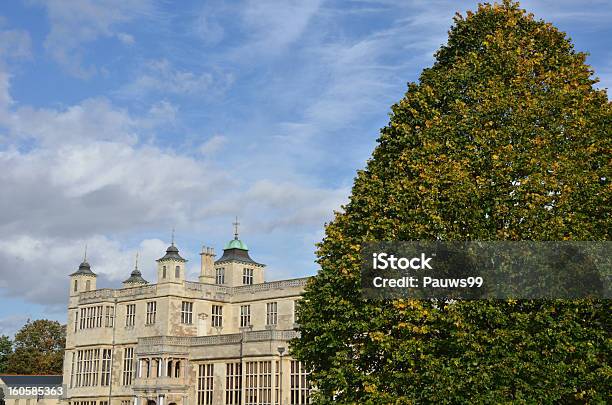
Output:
(236, 250)
(236, 244)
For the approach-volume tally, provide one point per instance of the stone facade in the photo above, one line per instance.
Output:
(221, 340)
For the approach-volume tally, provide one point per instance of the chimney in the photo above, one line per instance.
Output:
(207, 271)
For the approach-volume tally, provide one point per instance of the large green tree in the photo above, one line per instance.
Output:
(503, 138)
(38, 348)
(6, 348)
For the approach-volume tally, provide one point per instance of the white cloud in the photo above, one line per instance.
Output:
(212, 145)
(87, 177)
(11, 324)
(359, 81)
(293, 204)
(161, 113)
(206, 26)
(126, 39)
(78, 22)
(102, 186)
(15, 44)
(159, 76)
(274, 24)
(591, 11)
(86, 168)
(53, 259)
(5, 96)
(91, 119)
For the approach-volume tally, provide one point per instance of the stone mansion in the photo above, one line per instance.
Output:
(221, 340)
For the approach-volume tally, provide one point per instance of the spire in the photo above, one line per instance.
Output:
(136, 276)
(84, 267)
(236, 223)
(236, 243)
(236, 249)
(172, 253)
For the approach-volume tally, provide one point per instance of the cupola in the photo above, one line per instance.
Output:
(236, 267)
(135, 277)
(83, 279)
(171, 267)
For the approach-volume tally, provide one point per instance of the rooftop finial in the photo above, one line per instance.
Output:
(172, 236)
(85, 254)
(236, 228)
(136, 263)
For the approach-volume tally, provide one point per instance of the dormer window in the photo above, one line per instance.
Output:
(87, 285)
(164, 272)
(76, 285)
(247, 276)
(177, 272)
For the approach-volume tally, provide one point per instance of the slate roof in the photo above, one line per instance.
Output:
(136, 278)
(172, 253)
(235, 254)
(84, 270)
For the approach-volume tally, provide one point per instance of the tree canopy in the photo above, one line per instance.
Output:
(38, 348)
(503, 138)
(6, 348)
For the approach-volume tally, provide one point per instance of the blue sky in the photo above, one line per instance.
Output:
(122, 119)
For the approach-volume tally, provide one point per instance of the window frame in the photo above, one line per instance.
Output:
(187, 312)
(205, 387)
(245, 316)
(110, 316)
(151, 312)
(247, 276)
(128, 366)
(130, 316)
(216, 316)
(220, 275)
(272, 313)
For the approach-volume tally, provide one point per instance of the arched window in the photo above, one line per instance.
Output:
(170, 368)
(87, 285)
(76, 285)
(177, 272)
(177, 369)
(164, 272)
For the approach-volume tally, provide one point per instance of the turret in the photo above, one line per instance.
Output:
(83, 279)
(171, 267)
(236, 264)
(135, 278)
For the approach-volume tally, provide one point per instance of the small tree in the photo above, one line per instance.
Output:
(503, 138)
(38, 348)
